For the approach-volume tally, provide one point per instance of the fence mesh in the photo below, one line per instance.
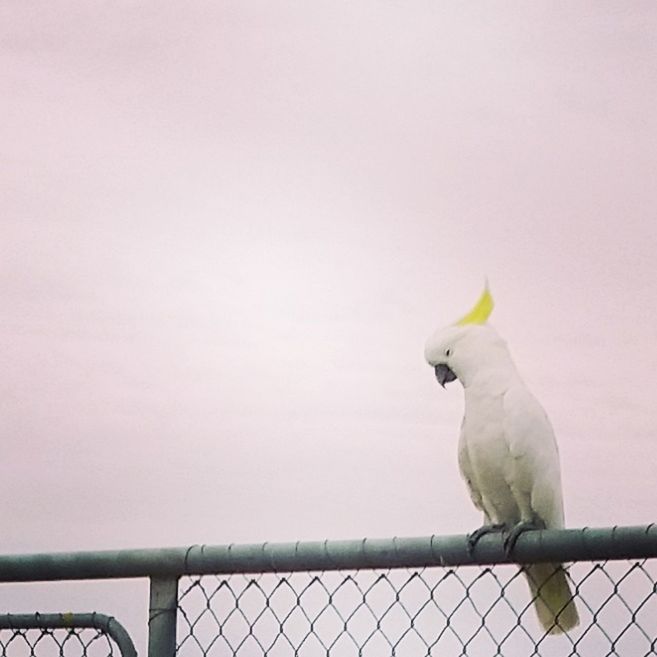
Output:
(46, 642)
(470, 610)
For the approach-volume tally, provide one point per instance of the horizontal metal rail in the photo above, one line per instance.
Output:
(106, 624)
(533, 546)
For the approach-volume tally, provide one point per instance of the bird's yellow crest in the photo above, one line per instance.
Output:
(481, 310)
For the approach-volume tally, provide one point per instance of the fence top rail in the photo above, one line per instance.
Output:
(586, 544)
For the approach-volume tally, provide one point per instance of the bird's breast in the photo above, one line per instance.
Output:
(488, 455)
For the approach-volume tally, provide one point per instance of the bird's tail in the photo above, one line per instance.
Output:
(552, 597)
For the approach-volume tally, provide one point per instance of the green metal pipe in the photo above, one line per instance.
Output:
(162, 616)
(533, 546)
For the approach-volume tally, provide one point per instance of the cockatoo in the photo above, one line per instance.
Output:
(507, 451)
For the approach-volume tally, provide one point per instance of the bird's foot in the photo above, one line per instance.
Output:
(474, 537)
(519, 528)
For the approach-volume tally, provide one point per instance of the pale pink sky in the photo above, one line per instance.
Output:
(228, 228)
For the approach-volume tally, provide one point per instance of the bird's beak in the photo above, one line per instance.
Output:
(444, 374)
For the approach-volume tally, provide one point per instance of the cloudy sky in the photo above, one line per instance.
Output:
(228, 228)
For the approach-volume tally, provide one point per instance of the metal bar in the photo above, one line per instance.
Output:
(532, 547)
(106, 624)
(162, 616)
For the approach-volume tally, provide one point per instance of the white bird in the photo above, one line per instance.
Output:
(507, 450)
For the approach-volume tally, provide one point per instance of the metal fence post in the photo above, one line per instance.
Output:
(162, 617)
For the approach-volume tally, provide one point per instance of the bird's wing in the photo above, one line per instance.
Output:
(533, 474)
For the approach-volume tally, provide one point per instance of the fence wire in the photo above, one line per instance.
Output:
(468, 610)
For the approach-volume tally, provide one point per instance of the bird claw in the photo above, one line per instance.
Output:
(512, 537)
(474, 537)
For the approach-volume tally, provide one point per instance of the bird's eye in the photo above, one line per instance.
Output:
(448, 352)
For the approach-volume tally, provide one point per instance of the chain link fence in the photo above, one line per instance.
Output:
(408, 597)
(45, 642)
(469, 610)
(63, 635)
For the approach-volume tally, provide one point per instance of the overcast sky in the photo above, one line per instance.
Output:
(229, 227)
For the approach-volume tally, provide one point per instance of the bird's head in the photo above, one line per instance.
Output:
(468, 347)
